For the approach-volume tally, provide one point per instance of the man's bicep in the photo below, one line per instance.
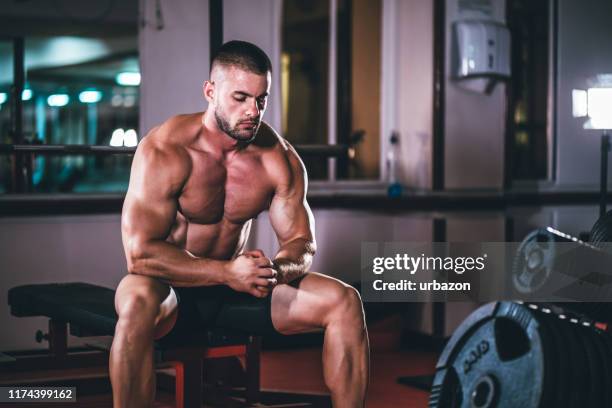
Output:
(291, 219)
(290, 214)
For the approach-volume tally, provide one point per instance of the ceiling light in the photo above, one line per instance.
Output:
(58, 100)
(26, 95)
(128, 78)
(91, 96)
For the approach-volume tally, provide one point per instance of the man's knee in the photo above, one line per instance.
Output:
(137, 304)
(345, 302)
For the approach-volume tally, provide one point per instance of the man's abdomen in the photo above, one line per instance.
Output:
(216, 241)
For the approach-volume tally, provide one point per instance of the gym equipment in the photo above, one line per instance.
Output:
(320, 150)
(601, 233)
(89, 311)
(541, 267)
(508, 354)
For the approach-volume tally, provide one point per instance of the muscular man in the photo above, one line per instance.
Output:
(197, 182)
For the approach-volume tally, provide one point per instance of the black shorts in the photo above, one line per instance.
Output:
(207, 307)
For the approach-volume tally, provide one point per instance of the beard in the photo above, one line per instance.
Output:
(241, 135)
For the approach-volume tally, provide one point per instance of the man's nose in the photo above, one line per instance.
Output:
(253, 109)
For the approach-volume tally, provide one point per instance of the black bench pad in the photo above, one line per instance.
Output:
(90, 311)
(82, 304)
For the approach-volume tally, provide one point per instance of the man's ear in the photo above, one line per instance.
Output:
(209, 91)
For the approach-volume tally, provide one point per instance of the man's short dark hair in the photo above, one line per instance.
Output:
(244, 55)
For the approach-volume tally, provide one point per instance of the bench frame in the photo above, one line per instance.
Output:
(188, 363)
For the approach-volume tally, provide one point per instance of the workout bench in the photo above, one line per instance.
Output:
(88, 310)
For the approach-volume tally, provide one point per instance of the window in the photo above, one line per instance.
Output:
(330, 79)
(305, 76)
(529, 90)
(6, 78)
(78, 90)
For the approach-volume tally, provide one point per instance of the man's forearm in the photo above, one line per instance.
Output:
(294, 259)
(175, 266)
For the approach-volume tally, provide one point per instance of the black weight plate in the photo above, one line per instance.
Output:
(562, 391)
(595, 384)
(602, 230)
(498, 362)
(521, 367)
(603, 360)
(607, 342)
(579, 372)
(446, 390)
(601, 237)
(551, 367)
(532, 264)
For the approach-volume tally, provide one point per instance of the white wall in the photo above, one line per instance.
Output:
(474, 123)
(585, 33)
(54, 249)
(174, 61)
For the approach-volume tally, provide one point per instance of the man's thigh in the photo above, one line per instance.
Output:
(304, 305)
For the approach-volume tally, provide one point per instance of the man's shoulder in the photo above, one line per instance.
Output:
(271, 141)
(177, 131)
(159, 151)
(157, 147)
(173, 136)
(281, 159)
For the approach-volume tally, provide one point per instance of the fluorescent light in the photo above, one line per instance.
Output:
(58, 100)
(129, 101)
(26, 95)
(130, 139)
(579, 103)
(128, 78)
(116, 100)
(117, 138)
(90, 96)
(599, 108)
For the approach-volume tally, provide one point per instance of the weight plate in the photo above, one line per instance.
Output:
(578, 374)
(601, 237)
(599, 367)
(552, 369)
(562, 389)
(532, 265)
(497, 361)
(607, 342)
(601, 233)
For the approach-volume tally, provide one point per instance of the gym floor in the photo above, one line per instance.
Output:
(293, 378)
(304, 375)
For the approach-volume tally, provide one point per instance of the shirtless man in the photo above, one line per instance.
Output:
(197, 182)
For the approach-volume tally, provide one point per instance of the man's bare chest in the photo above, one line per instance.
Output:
(236, 191)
